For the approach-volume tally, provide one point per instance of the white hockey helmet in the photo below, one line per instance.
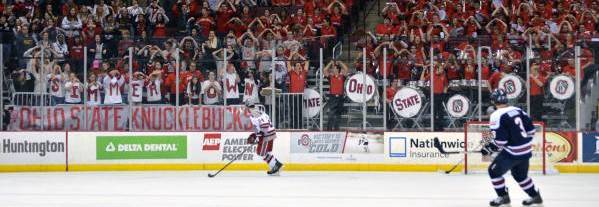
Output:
(254, 110)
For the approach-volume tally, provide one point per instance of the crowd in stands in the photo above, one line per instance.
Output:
(224, 47)
(454, 30)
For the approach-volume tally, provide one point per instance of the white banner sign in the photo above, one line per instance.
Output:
(458, 106)
(513, 86)
(407, 102)
(312, 103)
(360, 88)
(561, 87)
(145, 118)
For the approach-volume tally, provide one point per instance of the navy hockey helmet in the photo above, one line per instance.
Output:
(499, 96)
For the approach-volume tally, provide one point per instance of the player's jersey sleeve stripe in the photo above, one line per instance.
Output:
(519, 151)
(500, 143)
(521, 146)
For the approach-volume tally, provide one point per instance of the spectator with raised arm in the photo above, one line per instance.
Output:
(336, 72)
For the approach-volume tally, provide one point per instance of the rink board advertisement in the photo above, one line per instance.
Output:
(229, 145)
(33, 148)
(414, 147)
(561, 147)
(163, 147)
(141, 147)
(337, 147)
(364, 143)
(317, 142)
(115, 118)
(393, 151)
(590, 147)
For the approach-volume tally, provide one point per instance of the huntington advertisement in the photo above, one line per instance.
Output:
(33, 148)
(115, 118)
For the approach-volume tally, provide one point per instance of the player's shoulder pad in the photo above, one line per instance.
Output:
(495, 120)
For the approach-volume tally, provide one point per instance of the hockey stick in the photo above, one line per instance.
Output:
(437, 144)
(232, 160)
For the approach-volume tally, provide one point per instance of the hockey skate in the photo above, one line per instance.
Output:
(275, 170)
(536, 201)
(503, 201)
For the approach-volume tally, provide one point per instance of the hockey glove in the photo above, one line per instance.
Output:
(252, 139)
(489, 149)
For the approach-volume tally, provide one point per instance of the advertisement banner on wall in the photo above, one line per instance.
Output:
(317, 142)
(33, 148)
(561, 147)
(229, 146)
(364, 143)
(418, 147)
(590, 147)
(116, 118)
(141, 147)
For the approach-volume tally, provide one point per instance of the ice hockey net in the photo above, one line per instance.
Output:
(476, 163)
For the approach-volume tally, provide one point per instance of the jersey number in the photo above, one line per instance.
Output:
(518, 122)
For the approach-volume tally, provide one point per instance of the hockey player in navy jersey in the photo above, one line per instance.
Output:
(264, 135)
(514, 131)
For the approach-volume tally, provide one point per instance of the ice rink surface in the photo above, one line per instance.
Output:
(301, 189)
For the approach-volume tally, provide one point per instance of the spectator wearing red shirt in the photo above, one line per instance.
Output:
(328, 33)
(497, 76)
(404, 69)
(336, 72)
(386, 28)
(378, 52)
(469, 71)
(76, 55)
(390, 93)
(298, 72)
(223, 15)
(205, 21)
(439, 90)
(537, 84)
(170, 84)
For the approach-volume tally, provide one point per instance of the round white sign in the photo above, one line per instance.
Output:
(312, 103)
(513, 86)
(458, 106)
(407, 102)
(355, 88)
(561, 87)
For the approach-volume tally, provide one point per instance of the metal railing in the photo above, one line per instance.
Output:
(414, 104)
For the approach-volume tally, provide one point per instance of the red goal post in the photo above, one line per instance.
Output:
(475, 162)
